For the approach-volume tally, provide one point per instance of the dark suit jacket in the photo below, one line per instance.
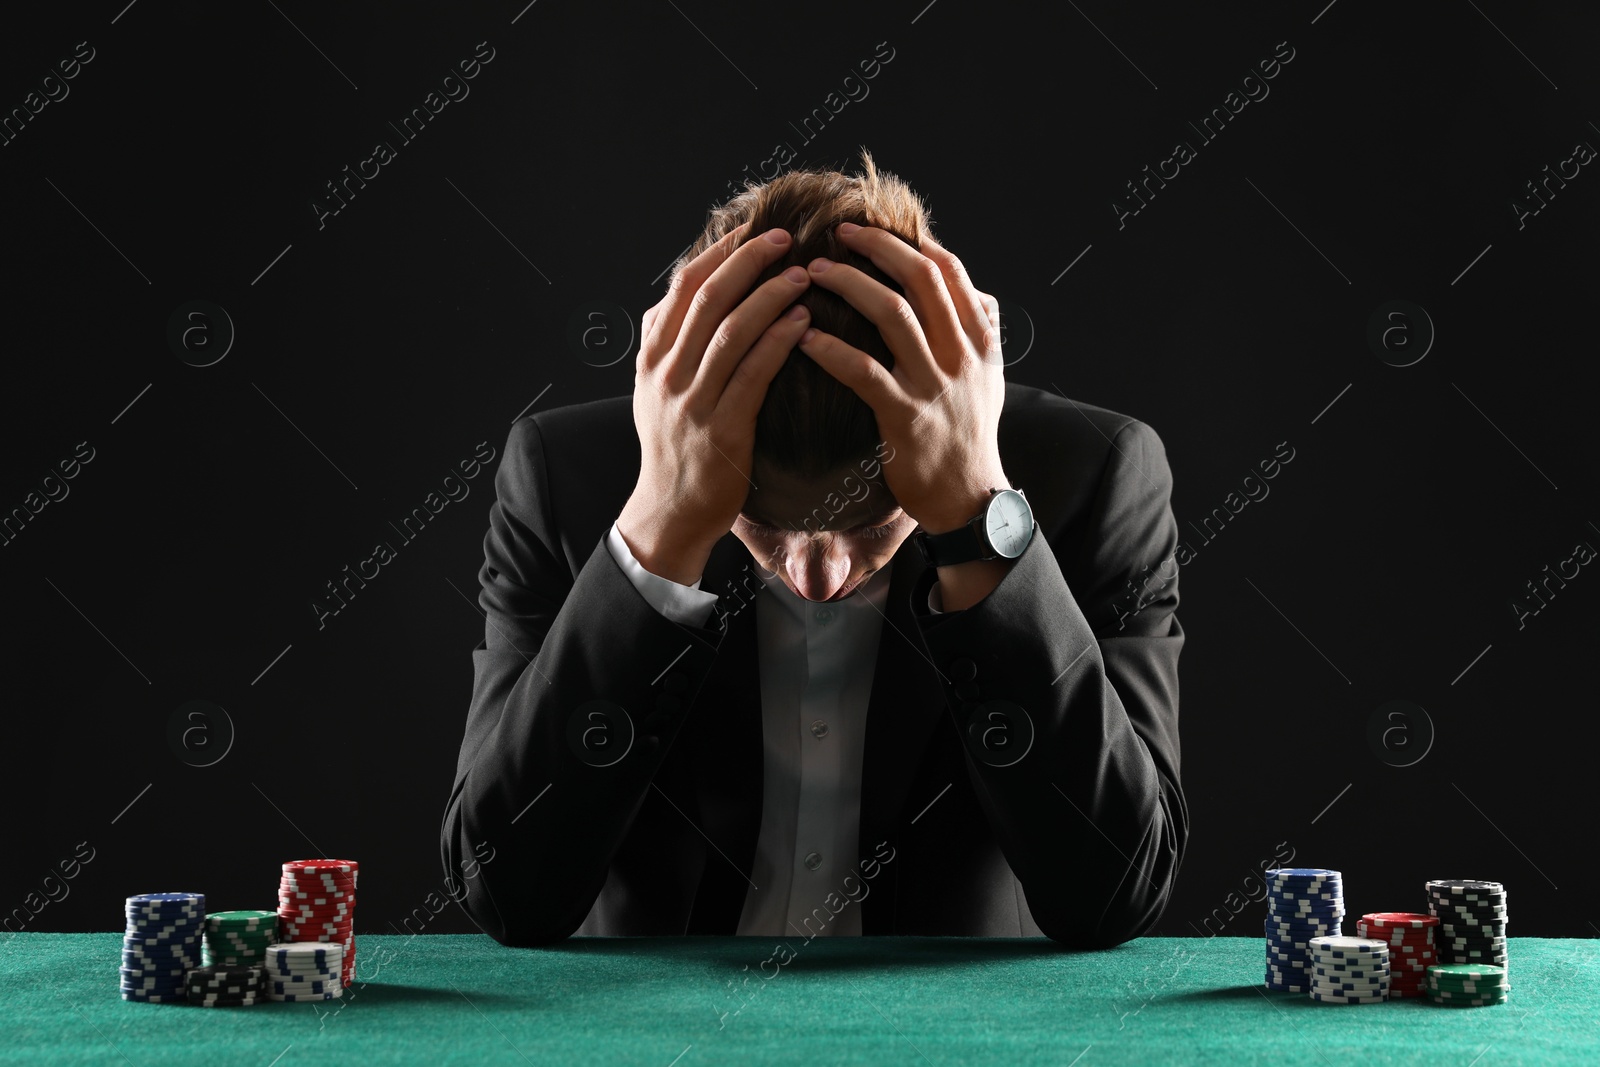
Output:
(1072, 660)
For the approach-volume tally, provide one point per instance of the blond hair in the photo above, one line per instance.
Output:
(810, 423)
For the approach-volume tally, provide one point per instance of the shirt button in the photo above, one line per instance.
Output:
(813, 860)
(824, 615)
(819, 728)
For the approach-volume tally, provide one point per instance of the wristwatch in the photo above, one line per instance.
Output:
(1002, 530)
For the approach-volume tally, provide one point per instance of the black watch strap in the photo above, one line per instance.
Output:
(952, 547)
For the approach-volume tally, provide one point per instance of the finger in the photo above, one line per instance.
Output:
(681, 287)
(886, 309)
(970, 304)
(718, 295)
(747, 383)
(651, 314)
(919, 276)
(868, 378)
(739, 331)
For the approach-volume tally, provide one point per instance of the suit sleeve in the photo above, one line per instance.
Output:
(579, 687)
(1067, 702)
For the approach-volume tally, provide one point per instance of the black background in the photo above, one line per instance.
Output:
(380, 349)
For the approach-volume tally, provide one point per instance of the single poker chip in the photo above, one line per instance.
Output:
(1335, 998)
(1408, 919)
(1465, 972)
(154, 934)
(145, 971)
(294, 998)
(1279, 875)
(1350, 946)
(229, 920)
(165, 900)
(168, 951)
(149, 981)
(315, 866)
(296, 951)
(1464, 885)
(1446, 906)
(1375, 985)
(1303, 935)
(301, 916)
(304, 988)
(1313, 924)
(1336, 971)
(152, 998)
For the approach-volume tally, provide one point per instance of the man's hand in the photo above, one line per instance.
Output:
(702, 374)
(939, 409)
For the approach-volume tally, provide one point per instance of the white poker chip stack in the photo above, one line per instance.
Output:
(304, 970)
(1349, 970)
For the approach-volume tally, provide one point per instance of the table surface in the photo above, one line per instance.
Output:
(437, 999)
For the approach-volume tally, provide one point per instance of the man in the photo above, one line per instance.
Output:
(824, 670)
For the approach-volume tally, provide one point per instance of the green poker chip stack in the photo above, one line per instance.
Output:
(1467, 985)
(238, 938)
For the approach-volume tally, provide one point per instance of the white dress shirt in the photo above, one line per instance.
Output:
(815, 662)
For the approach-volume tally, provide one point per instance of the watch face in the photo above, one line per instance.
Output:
(1009, 523)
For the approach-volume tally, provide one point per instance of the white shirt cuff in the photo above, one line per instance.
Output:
(687, 605)
(935, 600)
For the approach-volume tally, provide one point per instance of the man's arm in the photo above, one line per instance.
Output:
(582, 684)
(1092, 819)
(536, 787)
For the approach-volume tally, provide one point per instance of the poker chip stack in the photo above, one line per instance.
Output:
(305, 970)
(1472, 922)
(238, 938)
(220, 986)
(316, 902)
(1467, 985)
(1302, 903)
(1409, 936)
(161, 944)
(1349, 970)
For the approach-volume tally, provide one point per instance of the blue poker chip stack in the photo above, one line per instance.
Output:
(161, 945)
(1302, 903)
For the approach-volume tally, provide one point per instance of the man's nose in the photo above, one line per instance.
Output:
(817, 571)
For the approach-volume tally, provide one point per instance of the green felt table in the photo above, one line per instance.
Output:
(879, 1001)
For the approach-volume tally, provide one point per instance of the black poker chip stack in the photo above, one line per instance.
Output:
(223, 986)
(1472, 923)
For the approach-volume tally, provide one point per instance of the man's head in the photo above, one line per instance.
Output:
(821, 515)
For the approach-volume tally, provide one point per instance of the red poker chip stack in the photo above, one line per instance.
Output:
(317, 902)
(1409, 936)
